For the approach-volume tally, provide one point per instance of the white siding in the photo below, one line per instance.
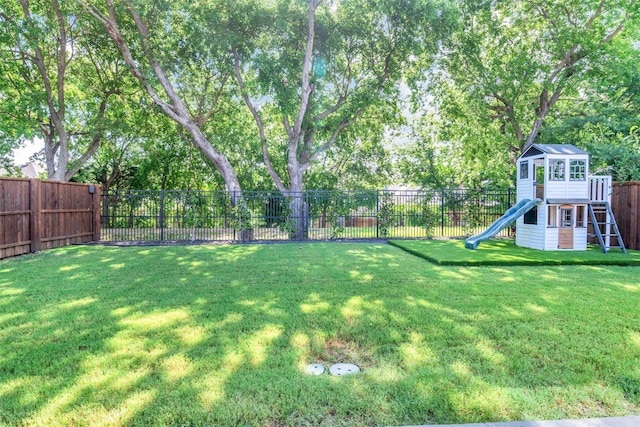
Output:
(524, 187)
(528, 235)
(566, 189)
(578, 189)
(580, 239)
(551, 239)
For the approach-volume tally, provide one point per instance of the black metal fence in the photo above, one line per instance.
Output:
(156, 215)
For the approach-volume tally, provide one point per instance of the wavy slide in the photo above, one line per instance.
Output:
(516, 211)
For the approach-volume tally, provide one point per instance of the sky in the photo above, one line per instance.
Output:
(21, 155)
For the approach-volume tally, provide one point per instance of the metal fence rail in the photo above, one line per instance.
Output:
(163, 215)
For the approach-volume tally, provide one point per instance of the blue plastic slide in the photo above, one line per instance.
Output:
(516, 211)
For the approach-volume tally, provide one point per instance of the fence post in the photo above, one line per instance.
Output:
(442, 193)
(95, 206)
(35, 216)
(162, 214)
(234, 212)
(305, 210)
(377, 212)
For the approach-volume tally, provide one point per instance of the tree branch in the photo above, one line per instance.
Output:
(256, 116)
(245, 95)
(596, 15)
(202, 116)
(111, 26)
(331, 110)
(287, 125)
(62, 52)
(334, 136)
(509, 111)
(95, 141)
(306, 87)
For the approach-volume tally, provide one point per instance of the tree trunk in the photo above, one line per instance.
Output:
(297, 205)
(299, 215)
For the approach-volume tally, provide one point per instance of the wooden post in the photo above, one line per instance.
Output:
(35, 216)
(95, 205)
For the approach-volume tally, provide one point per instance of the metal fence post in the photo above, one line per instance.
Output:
(162, 215)
(377, 212)
(305, 211)
(442, 193)
(233, 211)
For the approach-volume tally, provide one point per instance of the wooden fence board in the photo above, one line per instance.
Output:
(625, 203)
(36, 215)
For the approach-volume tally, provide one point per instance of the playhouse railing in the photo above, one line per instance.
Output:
(600, 192)
(600, 188)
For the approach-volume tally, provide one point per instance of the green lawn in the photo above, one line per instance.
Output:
(505, 252)
(220, 335)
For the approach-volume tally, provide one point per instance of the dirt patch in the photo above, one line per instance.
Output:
(340, 350)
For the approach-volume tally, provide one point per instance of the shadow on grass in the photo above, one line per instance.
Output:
(221, 335)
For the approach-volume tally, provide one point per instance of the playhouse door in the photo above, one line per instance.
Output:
(565, 232)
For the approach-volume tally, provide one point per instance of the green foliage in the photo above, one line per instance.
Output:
(631, 388)
(338, 209)
(604, 120)
(472, 217)
(386, 215)
(286, 221)
(478, 73)
(512, 66)
(464, 152)
(617, 155)
(61, 82)
(242, 216)
(362, 52)
(430, 217)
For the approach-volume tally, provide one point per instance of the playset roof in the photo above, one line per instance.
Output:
(564, 149)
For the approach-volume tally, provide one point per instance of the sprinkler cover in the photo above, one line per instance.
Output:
(315, 369)
(343, 369)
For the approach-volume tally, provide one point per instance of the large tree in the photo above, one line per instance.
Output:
(314, 69)
(58, 81)
(512, 62)
(165, 47)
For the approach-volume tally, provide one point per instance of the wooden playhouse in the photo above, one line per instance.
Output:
(572, 205)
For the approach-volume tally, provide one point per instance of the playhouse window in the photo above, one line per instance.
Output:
(581, 217)
(552, 216)
(577, 170)
(524, 169)
(556, 170)
(566, 217)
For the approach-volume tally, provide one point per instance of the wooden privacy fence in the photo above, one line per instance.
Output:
(36, 215)
(625, 204)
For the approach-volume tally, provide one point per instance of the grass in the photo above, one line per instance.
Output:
(506, 253)
(220, 335)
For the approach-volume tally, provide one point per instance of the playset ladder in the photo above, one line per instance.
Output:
(610, 226)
